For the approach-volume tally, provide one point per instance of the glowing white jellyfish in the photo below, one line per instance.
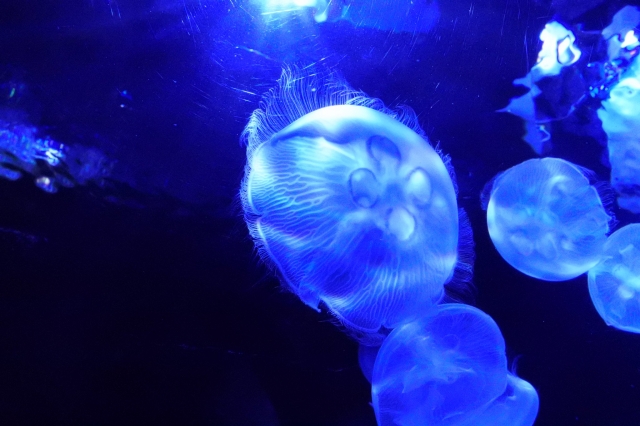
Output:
(441, 370)
(350, 202)
(614, 284)
(546, 219)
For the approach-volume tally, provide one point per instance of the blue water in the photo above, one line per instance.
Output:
(132, 291)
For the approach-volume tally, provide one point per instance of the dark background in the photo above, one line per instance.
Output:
(143, 302)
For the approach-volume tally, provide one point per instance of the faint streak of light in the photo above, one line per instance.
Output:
(257, 52)
(504, 18)
(386, 53)
(245, 11)
(526, 50)
(237, 89)
(111, 5)
(279, 11)
(393, 68)
(435, 103)
(243, 91)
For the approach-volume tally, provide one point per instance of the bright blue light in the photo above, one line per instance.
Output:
(275, 7)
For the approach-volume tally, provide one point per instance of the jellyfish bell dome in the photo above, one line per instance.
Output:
(614, 284)
(391, 177)
(443, 369)
(546, 219)
(351, 204)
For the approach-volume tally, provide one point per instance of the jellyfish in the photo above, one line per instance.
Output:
(350, 203)
(546, 219)
(517, 406)
(443, 369)
(614, 284)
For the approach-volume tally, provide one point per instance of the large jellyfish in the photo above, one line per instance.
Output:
(350, 202)
(546, 219)
(441, 370)
(614, 284)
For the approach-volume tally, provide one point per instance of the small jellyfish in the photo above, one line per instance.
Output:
(349, 202)
(546, 219)
(614, 284)
(441, 370)
(517, 406)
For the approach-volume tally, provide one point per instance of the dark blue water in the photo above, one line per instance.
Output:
(135, 296)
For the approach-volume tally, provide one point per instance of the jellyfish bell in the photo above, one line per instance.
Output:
(547, 220)
(350, 203)
(393, 181)
(419, 365)
(443, 369)
(614, 284)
